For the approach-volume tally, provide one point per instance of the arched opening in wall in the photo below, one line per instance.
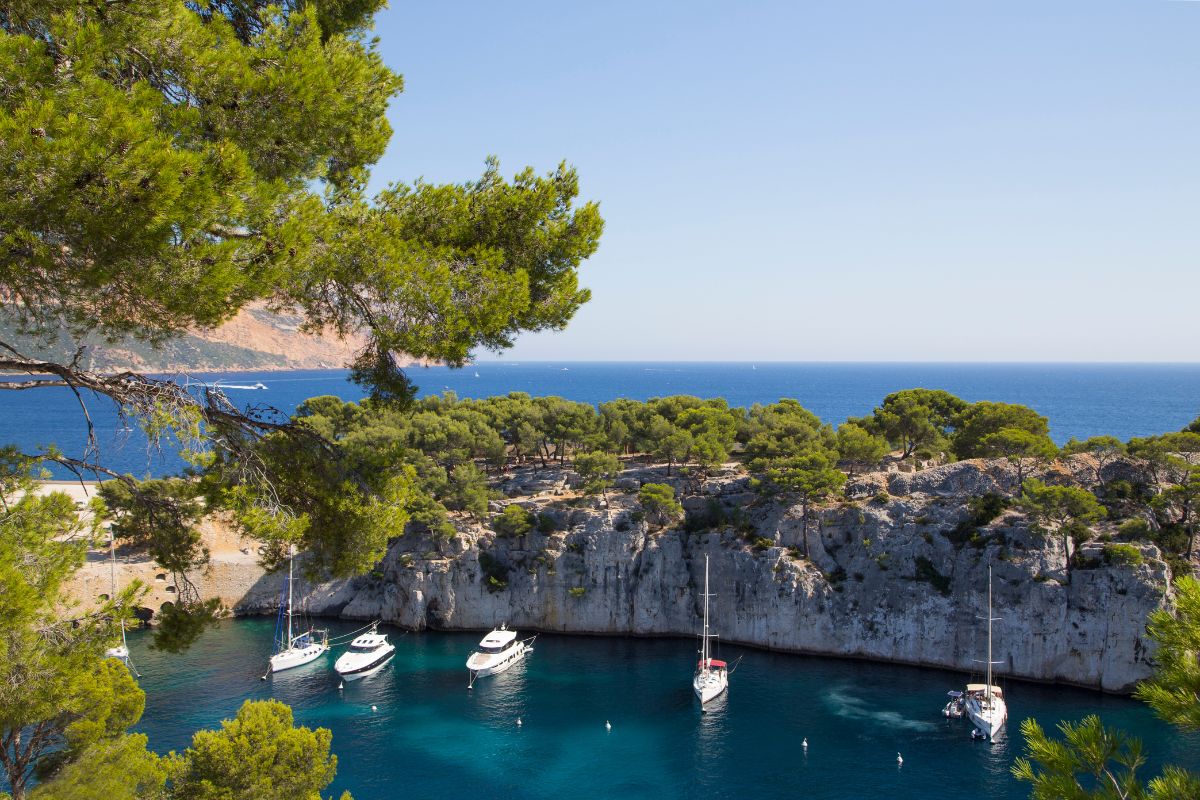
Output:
(431, 614)
(103, 598)
(167, 606)
(162, 576)
(143, 614)
(171, 589)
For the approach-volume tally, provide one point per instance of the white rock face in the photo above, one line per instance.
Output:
(890, 581)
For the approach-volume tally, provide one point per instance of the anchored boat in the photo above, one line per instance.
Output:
(295, 650)
(712, 676)
(985, 702)
(498, 651)
(367, 655)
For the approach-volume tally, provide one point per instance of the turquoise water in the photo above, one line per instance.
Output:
(1080, 400)
(431, 737)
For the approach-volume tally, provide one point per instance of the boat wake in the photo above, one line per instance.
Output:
(849, 706)
(259, 385)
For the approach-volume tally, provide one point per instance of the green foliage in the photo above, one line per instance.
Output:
(1067, 510)
(577, 591)
(1174, 690)
(1179, 504)
(915, 419)
(598, 470)
(926, 572)
(1103, 449)
(858, 446)
(514, 521)
(809, 478)
(979, 420)
(120, 768)
(1021, 447)
(1134, 530)
(1123, 554)
(659, 503)
(468, 490)
(495, 573)
(783, 430)
(259, 753)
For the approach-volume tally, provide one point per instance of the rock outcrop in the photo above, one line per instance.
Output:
(893, 578)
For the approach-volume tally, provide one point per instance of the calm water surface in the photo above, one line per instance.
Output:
(1080, 400)
(432, 738)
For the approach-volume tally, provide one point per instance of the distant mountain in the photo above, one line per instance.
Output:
(256, 339)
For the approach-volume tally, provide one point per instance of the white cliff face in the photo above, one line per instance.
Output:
(887, 579)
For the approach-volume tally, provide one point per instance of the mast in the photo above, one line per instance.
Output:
(988, 690)
(112, 563)
(704, 646)
(292, 558)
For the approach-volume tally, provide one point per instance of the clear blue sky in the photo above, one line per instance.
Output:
(890, 180)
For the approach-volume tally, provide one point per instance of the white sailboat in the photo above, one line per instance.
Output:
(985, 702)
(120, 651)
(712, 676)
(295, 650)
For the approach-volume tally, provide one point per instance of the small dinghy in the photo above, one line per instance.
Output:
(954, 708)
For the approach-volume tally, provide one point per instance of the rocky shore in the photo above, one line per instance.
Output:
(892, 574)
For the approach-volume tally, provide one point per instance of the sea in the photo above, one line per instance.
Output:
(414, 729)
(1080, 400)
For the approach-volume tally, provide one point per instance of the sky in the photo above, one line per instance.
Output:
(845, 180)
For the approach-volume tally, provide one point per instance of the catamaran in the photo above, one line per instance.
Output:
(120, 651)
(712, 676)
(498, 651)
(985, 702)
(295, 650)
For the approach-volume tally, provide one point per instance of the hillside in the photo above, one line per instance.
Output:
(255, 339)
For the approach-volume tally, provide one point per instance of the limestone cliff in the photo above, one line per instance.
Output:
(889, 576)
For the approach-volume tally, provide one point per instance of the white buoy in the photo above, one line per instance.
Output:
(899, 760)
(374, 708)
(804, 744)
(607, 725)
(341, 685)
(519, 723)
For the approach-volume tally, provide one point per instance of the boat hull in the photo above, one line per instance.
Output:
(297, 657)
(988, 720)
(356, 669)
(711, 685)
(481, 667)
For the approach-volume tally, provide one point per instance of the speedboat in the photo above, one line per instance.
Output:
(954, 706)
(367, 655)
(712, 676)
(498, 651)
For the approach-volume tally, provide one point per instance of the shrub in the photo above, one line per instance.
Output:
(1134, 530)
(577, 591)
(659, 504)
(495, 574)
(926, 572)
(546, 523)
(762, 543)
(1123, 554)
(881, 497)
(514, 521)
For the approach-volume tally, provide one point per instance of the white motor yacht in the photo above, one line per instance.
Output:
(712, 676)
(498, 651)
(984, 702)
(367, 655)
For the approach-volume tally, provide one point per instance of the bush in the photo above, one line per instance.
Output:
(577, 591)
(1123, 554)
(881, 497)
(762, 543)
(514, 521)
(1134, 530)
(546, 523)
(981, 510)
(659, 504)
(495, 574)
(926, 572)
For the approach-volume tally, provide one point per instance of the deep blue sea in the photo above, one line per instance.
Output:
(1080, 399)
(432, 738)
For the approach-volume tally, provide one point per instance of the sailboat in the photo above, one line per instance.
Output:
(294, 651)
(120, 651)
(712, 676)
(985, 702)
